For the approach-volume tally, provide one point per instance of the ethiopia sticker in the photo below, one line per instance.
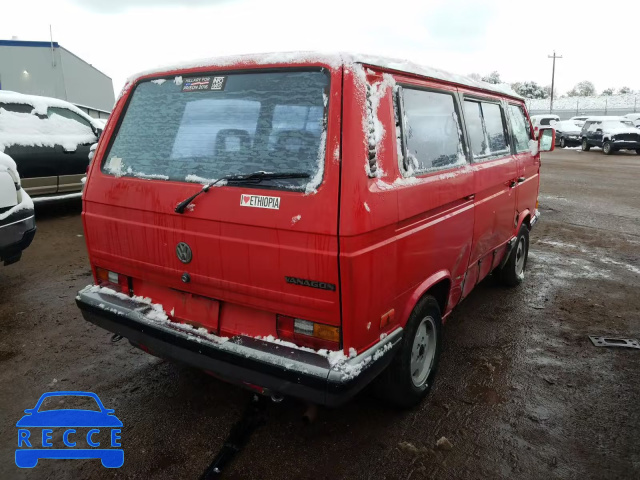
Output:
(260, 201)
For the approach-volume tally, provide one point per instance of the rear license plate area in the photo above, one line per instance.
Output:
(183, 307)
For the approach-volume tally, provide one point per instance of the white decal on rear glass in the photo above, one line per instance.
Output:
(260, 201)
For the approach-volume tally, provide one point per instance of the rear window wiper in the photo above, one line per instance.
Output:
(251, 178)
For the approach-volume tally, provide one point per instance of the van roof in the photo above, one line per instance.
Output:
(334, 60)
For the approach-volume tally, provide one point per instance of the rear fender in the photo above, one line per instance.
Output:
(420, 290)
(522, 216)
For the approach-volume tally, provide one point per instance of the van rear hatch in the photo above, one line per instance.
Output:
(244, 251)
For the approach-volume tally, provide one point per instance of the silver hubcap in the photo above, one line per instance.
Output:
(520, 256)
(562, 142)
(423, 351)
(607, 147)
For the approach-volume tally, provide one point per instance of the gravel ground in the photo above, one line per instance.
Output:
(521, 391)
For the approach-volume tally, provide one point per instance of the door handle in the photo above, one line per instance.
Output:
(521, 179)
(470, 197)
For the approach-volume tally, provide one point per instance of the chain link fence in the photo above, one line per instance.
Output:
(566, 108)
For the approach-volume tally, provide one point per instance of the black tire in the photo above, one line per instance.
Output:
(563, 144)
(512, 273)
(396, 384)
(585, 146)
(638, 151)
(607, 148)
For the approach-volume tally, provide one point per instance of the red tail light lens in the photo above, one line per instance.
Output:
(308, 334)
(116, 281)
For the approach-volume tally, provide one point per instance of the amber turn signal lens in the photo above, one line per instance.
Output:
(326, 332)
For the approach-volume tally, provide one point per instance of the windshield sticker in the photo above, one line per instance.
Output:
(218, 83)
(197, 84)
(260, 201)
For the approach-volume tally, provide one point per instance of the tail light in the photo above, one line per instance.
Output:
(308, 334)
(116, 281)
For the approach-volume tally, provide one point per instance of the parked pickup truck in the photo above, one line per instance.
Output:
(49, 140)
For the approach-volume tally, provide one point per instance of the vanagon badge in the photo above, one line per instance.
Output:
(183, 251)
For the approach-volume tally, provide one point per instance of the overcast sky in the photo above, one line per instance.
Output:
(514, 37)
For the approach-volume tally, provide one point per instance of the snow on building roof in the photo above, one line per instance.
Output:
(334, 60)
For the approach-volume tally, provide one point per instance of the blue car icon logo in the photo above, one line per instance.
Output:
(69, 433)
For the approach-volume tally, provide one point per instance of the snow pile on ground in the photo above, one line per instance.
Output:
(29, 130)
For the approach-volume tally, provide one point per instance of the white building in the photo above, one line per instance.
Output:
(47, 69)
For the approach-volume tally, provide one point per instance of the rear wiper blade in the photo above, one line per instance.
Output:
(252, 178)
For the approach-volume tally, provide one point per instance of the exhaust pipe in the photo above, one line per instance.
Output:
(276, 397)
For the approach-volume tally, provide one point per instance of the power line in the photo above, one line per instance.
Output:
(553, 77)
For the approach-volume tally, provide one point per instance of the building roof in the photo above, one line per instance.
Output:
(24, 43)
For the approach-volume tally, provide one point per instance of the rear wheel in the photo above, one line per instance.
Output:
(562, 142)
(585, 146)
(512, 273)
(410, 376)
(607, 149)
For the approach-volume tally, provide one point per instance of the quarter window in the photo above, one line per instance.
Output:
(486, 129)
(432, 134)
(520, 128)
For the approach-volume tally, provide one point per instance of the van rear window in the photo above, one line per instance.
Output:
(200, 129)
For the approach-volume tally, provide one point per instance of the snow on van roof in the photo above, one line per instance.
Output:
(334, 60)
(40, 104)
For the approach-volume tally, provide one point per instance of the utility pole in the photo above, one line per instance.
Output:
(553, 77)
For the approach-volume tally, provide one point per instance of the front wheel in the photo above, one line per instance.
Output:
(606, 148)
(585, 146)
(638, 151)
(512, 273)
(562, 142)
(409, 377)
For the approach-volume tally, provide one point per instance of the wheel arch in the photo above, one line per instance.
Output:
(438, 286)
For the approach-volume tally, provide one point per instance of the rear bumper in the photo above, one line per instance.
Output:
(242, 360)
(16, 234)
(534, 219)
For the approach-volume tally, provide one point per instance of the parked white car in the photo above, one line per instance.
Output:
(544, 120)
(634, 117)
(17, 219)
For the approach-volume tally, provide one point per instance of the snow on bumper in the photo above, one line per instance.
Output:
(327, 378)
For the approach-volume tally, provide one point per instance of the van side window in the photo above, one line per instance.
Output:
(486, 129)
(520, 128)
(432, 132)
(494, 124)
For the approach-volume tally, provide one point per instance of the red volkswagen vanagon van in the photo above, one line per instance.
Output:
(300, 224)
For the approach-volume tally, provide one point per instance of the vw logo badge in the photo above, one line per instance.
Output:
(183, 251)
